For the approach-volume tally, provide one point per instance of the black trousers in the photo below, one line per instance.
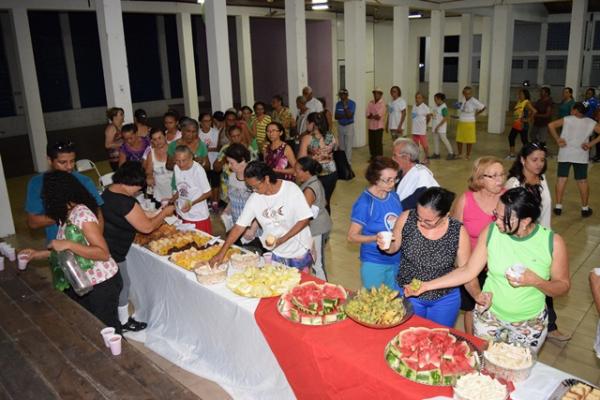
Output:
(551, 314)
(103, 301)
(329, 182)
(375, 142)
(512, 136)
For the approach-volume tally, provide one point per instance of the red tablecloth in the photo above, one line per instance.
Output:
(340, 361)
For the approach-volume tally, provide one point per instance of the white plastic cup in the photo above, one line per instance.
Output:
(1, 263)
(23, 261)
(387, 239)
(597, 271)
(11, 253)
(268, 257)
(3, 248)
(114, 342)
(107, 333)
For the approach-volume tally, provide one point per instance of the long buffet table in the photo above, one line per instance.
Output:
(253, 353)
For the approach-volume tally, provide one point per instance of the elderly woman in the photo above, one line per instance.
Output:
(376, 210)
(123, 217)
(158, 177)
(513, 301)
(189, 137)
(112, 135)
(432, 244)
(68, 202)
(283, 214)
(475, 209)
(134, 146)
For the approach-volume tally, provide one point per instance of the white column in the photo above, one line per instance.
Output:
(465, 52)
(244, 49)
(541, 71)
(219, 64)
(163, 55)
(34, 115)
(7, 225)
(503, 30)
(575, 55)
(413, 70)
(401, 45)
(65, 28)
(295, 44)
(485, 61)
(188, 68)
(436, 53)
(355, 34)
(114, 55)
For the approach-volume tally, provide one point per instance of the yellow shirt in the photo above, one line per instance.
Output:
(261, 130)
(519, 109)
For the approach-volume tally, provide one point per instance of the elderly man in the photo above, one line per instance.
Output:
(344, 114)
(303, 112)
(375, 116)
(416, 178)
(313, 104)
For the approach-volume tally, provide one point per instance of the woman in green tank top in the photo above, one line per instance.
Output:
(511, 305)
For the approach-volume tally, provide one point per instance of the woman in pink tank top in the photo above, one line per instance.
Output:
(474, 209)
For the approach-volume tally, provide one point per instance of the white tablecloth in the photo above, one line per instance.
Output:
(206, 330)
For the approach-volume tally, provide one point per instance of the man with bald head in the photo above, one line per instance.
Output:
(312, 103)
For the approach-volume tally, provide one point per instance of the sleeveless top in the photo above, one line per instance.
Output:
(323, 153)
(534, 251)
(135, 154)
(474, 218)
(276, 159)
(426, 259)
(162, 178)
(322, 223)
(113, 154)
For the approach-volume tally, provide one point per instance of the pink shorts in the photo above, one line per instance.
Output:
(420, 139)
(203, 225)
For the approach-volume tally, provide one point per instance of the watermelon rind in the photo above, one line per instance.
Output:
(312, 304)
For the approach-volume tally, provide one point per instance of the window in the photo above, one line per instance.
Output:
(558, 63)
(558, 36)
(517, 64)
(450, 69)
(532, 64)
(451, 44)
(595, 72)
(596, 45)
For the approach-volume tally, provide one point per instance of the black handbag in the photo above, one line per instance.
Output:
(344, 169)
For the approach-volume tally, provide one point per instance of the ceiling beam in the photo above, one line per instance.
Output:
(416, 4)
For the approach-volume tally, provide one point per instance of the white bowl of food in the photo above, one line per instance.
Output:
(477, 386)
(244, 260)
(509, 361)
(207, 275)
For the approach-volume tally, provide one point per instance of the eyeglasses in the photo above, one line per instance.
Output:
(387, 181)
(494, 177)
(430, 224)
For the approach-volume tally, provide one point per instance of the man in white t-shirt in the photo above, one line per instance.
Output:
(281, 210)
(416, 178)
(421, 114)
(312, 103)
(192, 190)
(396, 114)
(574, 152)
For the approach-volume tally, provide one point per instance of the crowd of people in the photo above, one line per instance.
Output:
(270, 177)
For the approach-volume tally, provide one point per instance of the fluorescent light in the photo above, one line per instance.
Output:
(319, 1)
(411, 16)
(201, 2)
(317, 7)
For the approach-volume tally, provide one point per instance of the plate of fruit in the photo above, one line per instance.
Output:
(431, 356)
(378, 308)
(311, 303)
(268, 281)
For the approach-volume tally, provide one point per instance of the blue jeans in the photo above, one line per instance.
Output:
(373, 274)
(443, 311)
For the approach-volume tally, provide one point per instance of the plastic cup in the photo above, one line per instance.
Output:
(1, 263)
(115, 344)
(3, 248)
(11, 254)
(268, 257)
(597, 271)
(107, 333)
(387, 239)
(23, 261)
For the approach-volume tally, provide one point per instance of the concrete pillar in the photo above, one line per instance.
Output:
(34, 115)
(576, 36)
(295, 40)
(541, 71)
(219, 64)
(163, 55)
(355, 34)
(502, 45)
(244, 49)
(401, 45)
(413, 70)
(485, 61)
(114, 55)
(7, 225)
(465, 52)
(65, 28)
(436, 53)
(188, 67)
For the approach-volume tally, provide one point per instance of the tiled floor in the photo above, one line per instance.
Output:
(576, 312)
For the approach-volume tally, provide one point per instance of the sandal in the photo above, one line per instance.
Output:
(133, 325)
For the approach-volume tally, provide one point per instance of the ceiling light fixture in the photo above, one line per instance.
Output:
(318, 7)
(413, 16)
(319, 1)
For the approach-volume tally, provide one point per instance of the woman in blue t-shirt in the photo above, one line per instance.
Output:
(376, 210)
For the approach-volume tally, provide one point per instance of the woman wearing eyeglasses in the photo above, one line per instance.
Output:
(512, 301)
(376, 210)
(432, 245)
(474, 209)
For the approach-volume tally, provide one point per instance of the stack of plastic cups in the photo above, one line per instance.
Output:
(8, 251)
